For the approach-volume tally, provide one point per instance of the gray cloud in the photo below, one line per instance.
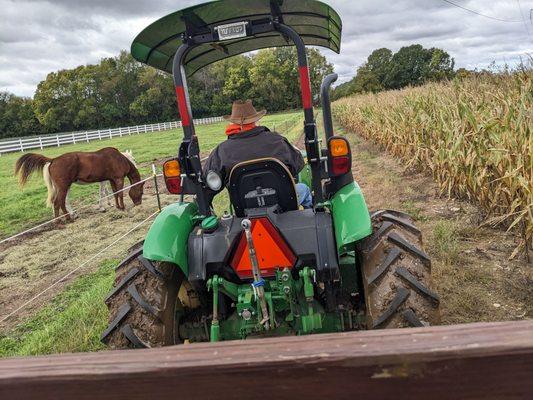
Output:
(38, 37)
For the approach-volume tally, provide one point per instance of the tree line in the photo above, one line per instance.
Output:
(410, 66)
(120, 91)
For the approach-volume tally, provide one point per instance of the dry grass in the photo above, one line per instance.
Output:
(474, 136)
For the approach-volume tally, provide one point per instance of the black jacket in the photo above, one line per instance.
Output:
(258, 142)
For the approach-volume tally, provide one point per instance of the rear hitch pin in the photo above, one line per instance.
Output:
(258, 285)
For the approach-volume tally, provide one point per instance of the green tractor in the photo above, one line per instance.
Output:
(269, 268)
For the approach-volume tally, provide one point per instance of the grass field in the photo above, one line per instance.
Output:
(75, 318)
(25, 208)
(70, 323)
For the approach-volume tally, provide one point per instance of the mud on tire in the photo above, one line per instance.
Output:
(397, 274)
(142, 303)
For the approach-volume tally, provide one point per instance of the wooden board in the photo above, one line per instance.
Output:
(473, 361)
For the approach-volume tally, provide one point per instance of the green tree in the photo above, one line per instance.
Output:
(411, 65)
(119, 91)
(207, 87)
(269, 76)
(319, 67)
(17, 117)
(156, 101)
(371, 76)
(441, 66)
(54, 103)
(237, 80)
(275, 80)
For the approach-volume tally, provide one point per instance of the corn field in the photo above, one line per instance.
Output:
(474, 135)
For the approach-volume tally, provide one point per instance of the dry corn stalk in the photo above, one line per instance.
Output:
(474, 135)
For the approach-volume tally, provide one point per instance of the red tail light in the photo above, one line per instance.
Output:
(173, 185)
(340, 165)
(172, 174)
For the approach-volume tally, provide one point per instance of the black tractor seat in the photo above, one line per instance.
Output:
(262, 183)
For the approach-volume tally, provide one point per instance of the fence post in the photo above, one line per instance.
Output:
(99, 135)
(87, 136)
(21, 146)
(154, 172)
(57, 140)
(41, 142)
(73, 139)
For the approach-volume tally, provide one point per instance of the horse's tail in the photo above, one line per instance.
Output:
(52, 191)
(29, 163)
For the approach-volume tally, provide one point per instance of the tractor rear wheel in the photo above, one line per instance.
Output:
(397, 274)
(143, 303)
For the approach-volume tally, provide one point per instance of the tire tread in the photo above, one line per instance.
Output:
(396, 274)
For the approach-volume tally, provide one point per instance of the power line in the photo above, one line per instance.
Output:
(480, 14)
(524, 19)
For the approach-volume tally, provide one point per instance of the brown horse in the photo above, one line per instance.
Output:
(60, 173)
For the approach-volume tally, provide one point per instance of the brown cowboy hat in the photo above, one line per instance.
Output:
(243, 112)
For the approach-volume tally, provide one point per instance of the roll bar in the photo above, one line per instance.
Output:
(189, 152)
(326, 105)
(182, 91)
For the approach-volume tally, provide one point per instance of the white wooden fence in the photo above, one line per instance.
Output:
(40, 142)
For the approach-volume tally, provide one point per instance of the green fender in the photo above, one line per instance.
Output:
(168, 236)
(350, 217)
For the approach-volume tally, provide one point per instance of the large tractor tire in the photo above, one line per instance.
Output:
(397, 274)
(143, 303)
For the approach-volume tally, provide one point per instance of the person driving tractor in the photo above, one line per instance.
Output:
(249, 141)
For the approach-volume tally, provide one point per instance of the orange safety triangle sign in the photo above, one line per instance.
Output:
(271, 250)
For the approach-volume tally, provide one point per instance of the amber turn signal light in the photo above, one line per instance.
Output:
(338, 147)
(172, 174)
(171, 169)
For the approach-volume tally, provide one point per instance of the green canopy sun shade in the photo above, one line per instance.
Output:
(317, 23)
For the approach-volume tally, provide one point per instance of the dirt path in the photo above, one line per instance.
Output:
(474, 278)
(32, 263)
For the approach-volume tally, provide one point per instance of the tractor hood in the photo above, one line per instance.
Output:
(317, 23)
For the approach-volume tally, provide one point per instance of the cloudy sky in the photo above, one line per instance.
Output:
(38, 36)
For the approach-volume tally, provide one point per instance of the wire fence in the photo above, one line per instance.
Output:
(83, 207)
(103, 250)
(60, 139)
(63, 278)
(285, 126)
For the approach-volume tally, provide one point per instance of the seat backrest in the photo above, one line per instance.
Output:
(261, 183)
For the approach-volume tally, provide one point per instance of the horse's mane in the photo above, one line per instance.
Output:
(133, 175)
(129, 155)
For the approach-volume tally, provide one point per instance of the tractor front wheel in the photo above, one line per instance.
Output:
(142, 304)
(397, 274)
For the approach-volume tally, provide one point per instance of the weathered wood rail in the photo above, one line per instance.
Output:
(473, 361)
